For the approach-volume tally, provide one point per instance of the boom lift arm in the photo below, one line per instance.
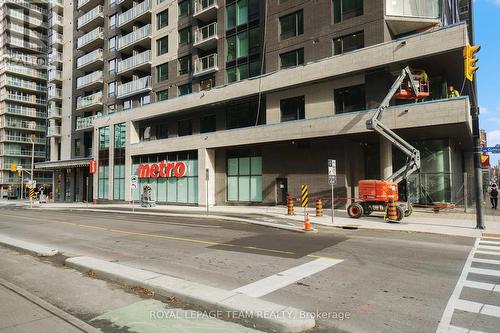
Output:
(413, 154)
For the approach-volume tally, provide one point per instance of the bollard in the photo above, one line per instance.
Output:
(392, 214)
(289, 205)
(307, 223)
(319, 207)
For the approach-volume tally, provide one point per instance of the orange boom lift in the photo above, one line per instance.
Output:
(375, 195)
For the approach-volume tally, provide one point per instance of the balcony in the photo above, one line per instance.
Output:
(20, 43)
(29, 21)
(55, 75)
(28, 5)
(141, 36)
(85, 5)
(90, 81)
(403, 16)
(139, 62)
(55, 57)
(54, 131)
(135, 87)
(54, 112)
(27, 85)
(90, 61)
(20, 110)
(56, 21)
(24, 125)
(205, 10)
(23, 139)
(57, 5)
(19, 57)
(26, 71)
(91, 40)
(206, 37)
(24, 153)
(92, 19)
(206, 65)
(19, 29)
(138, 13)
(24, 98)
(91, 102)
(85, 123)
(54, 93)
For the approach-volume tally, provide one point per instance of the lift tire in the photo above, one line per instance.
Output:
(409, 210)
(355, 210)
(400, 213)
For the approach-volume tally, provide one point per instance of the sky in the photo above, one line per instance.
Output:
(487, 34)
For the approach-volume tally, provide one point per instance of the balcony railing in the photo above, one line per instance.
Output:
(86, 101)
(95, 55)
(91, 36)
(83, 123)
(89, 79)
(134, 87)
(134, 61)
(20, 57)
(205, 64)
(23, 111)
(90, 15)
(23, 152)
(26, 18)
(204, 33)
(56, 20)
(202, 5)
(55, 56)
(30, 85)
(26, 44)
(134, 12)
(413, 8)
(26, 98)
(55, 75)
(29, 5)
(54, 93)
(54, 131)
(134, 36)
(54, 111)
(25, 31)
(24, 139)
(27, 71)
(56, 38)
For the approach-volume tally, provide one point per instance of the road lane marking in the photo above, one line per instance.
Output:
(481, 285)
(285, 278)
(493, 253)
(445, 321)
(456, 329)
(488, 247)
(490, 242)
(486, 261)
(183, 239)
(484, 271)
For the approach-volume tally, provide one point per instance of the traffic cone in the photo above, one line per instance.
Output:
(392, 214)
(289, 204)
(307, 223)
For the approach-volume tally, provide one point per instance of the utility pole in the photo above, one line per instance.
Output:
(32, 164)
(478, 178)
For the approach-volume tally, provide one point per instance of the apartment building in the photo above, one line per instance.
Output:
(23, 93)
(250, 98)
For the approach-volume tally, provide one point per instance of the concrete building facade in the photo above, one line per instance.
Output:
(23, 94)
(253, 97)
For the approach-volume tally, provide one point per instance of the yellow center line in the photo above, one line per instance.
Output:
(182, 239)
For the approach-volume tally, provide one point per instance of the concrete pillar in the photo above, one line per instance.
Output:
(131, 136)
(385, 158)
(111, 162)
(206, 161)
(54, 153)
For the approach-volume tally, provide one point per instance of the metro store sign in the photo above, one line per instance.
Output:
(162, 169)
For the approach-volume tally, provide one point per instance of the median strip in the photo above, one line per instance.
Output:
(32, 248)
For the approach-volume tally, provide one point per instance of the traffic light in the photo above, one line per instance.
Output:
(13, 167)
(470, 61)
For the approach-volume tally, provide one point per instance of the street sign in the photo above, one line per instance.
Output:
(133, 182)
(494, 150)
(305, 196)
(332, 172)
(32, 184)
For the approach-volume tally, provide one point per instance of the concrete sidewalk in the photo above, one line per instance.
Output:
(21, 311)
(450, 222)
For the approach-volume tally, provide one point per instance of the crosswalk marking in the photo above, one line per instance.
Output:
(475, 307)
(482, 285)
(483, 271)
(456, 329)
(490, 242)
(491, 238)
(486, 261)
(489, 247)
(493, 253)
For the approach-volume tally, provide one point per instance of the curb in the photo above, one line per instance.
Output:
(260, 312)
(31, 248)
(220, 217)
(81, 325)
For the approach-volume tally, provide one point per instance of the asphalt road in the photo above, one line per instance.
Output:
(387, 281)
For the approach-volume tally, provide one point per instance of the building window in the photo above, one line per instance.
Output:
(162, 72)
(241, 12)
(350, 99)
(292, 58)
(243, 115)
(185, 36)
(127, 105)
(112, 44)
(162, 19)
(348, 43)
(185, 8)
(243, 44)
(244, 179)
(207, 84)
(292, 25)
(162, 46)
(112, 3)
(112, 21)
(185, 89)
(103, 138)
(111, 108)
(208, 124)
(185, 65)
(119, 162)
(144, 100)
(112, 66)
(243, 71)
(103, 169)
(77, 147)
(185, 127)
(292, 108)
(346, 9)
(111, 88)
(162, 95)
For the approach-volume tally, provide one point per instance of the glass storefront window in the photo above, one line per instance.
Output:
(244, 179)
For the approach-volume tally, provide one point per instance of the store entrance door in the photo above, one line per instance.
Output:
(281, 190)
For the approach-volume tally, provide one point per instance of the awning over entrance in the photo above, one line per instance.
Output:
(55, 165)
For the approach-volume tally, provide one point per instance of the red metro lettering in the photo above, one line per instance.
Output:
(163, 169)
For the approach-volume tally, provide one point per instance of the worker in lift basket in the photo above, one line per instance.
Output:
(452, 92)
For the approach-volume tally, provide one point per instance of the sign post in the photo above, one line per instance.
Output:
(133, 187)
(332, 180)
(207, 176)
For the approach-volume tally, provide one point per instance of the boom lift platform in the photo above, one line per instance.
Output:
(374, 195)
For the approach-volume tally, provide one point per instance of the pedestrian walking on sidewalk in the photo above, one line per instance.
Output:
(494, 196)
